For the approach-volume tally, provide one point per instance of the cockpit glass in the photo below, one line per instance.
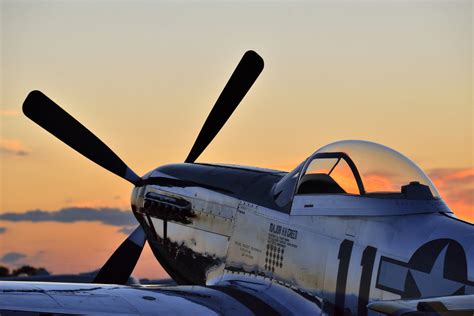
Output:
(335, 168)
(356, 168)
(323, 165)
(382, 170)
(343, 175)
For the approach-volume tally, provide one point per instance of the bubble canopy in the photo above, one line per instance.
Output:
(379, 169)
(356, 168)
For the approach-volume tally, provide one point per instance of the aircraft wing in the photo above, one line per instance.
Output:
(445, 305)
(225, 298)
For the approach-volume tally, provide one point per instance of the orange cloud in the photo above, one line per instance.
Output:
(456, 186)
(12, 147)
(453, 176)
(380, 182)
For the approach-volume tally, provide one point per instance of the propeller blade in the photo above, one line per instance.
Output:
(119, 267)
(243, 77)
(47, 114)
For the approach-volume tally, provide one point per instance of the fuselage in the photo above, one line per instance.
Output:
(206, 223)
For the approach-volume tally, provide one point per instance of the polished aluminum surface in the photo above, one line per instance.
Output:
(350, 251)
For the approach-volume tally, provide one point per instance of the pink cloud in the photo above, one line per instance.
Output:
(12, 147)
(456, 186)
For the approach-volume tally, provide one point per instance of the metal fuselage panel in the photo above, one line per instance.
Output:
(192, 249)
(202, 234)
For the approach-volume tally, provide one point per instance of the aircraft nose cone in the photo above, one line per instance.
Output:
(136, 199)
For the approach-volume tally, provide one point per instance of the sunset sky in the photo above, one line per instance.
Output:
(144, 75)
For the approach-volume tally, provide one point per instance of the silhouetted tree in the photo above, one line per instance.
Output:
(4, 272)
(29, 271)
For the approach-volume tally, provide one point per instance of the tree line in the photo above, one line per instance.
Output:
(25, 270)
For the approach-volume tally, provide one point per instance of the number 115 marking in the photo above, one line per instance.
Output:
(367, 263)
